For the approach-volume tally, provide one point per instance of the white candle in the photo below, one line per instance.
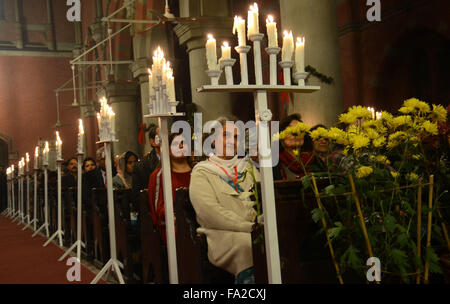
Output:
(170, 86)
(58, 146)
(378, 115)
(211, 53)
(46, 150)
(272, 31)
(226, 51)
(28, 162)
(288, 46)
(80, 146)
(300, 54)
(36, 158)
(151, 89)
(239, 26)
(253, 23)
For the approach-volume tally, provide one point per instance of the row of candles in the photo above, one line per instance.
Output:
(375, 114)
(105, 120)
(287, 51)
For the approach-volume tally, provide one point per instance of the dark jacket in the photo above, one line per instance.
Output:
(141, 175)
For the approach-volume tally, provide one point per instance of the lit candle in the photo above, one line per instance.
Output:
(300, 54)
(170, 86)
(272, 31)
(28, 162)
(211, 53)
(288, 46)
(378, 115)
(226, 51)
(21, 166)
(253, 23)
(36, 158)
(46, 150)
(151, 89)
(239, 26)
(80, 146)
(58, 146)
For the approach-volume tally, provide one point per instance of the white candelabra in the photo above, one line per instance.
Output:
(21, 217)
(162, 105)
(80, 152)
(7, 212)
(262, 114)
(59, 160)
(45, 164)
(36, 167)
(107, 136)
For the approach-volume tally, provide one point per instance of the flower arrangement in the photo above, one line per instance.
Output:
(389, 161)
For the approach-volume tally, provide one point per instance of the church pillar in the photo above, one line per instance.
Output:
(316, 20)
(193, 35)
(122, 97)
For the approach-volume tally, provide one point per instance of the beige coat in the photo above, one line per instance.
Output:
(225, 219)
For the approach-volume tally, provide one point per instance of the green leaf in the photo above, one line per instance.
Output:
(399, 258)
(335, 231)
(329, 189)
(402, 239)
(317, 214)
(389, 223)
(351, 258)
(431, 256)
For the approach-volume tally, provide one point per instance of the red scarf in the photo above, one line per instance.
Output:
(292, 163)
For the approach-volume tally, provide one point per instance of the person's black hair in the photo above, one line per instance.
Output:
(69, 159)
(152, 131)
(284, 123)
(88, 159)
(308, 142)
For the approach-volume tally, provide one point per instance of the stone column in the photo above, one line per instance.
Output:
(193, 35)
(316, 20)
(122, 96)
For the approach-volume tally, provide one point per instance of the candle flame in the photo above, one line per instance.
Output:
(28, 157)
(287, 34)
(36, 151)
(150, 72)
(210, 37)
(237, 20)
(254, 7)
(58, 139)
(269, 19)
(300, 41)
(225, 44)
(12, 168)
(46, 149)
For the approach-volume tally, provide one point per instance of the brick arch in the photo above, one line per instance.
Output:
(416, 65)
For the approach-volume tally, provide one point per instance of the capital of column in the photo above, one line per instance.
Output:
(139, 67)
(193, 34)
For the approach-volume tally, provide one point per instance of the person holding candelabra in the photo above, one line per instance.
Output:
(218, 191)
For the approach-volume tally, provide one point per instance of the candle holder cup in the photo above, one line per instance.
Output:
(243, 50)
(214, 75)
(300, 78)
(227, 64)
(287, 65)
(273, 52)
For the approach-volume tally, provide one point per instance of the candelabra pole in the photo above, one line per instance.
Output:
(17, 215)
(13, 198)
(8, 209)
(21, 207)
(59, 233)
(45, 225)
(113, 263)
(243, 50)
(35, 220)
(227, 64)
(287, 65)
(256, 38)
(273, 52)
(30, 222)
(78, 243)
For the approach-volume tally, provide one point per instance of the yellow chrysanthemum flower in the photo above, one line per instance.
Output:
(295, 152)
(360, 112)
(395, 174)
(359, 141)
(337, 135)
(406, 110)
(382, 159)
(412, 176)
(430, 127)
(319, 133)
(372, 134)
(296, 130)
(353, 129)
(401, 121)
(370, 124)
(379, 142)
(438, 114)
(399, 135)
(347, 118)
(416, 105)
(301, 127)
(363, 171)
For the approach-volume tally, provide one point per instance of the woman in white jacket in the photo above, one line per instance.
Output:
(219, 194)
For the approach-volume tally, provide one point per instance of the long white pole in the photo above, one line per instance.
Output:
(46, 200)
(79, 185)
(168, 201)
(28, 199)
(35, 201)
(110, 196)
(59, 204)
